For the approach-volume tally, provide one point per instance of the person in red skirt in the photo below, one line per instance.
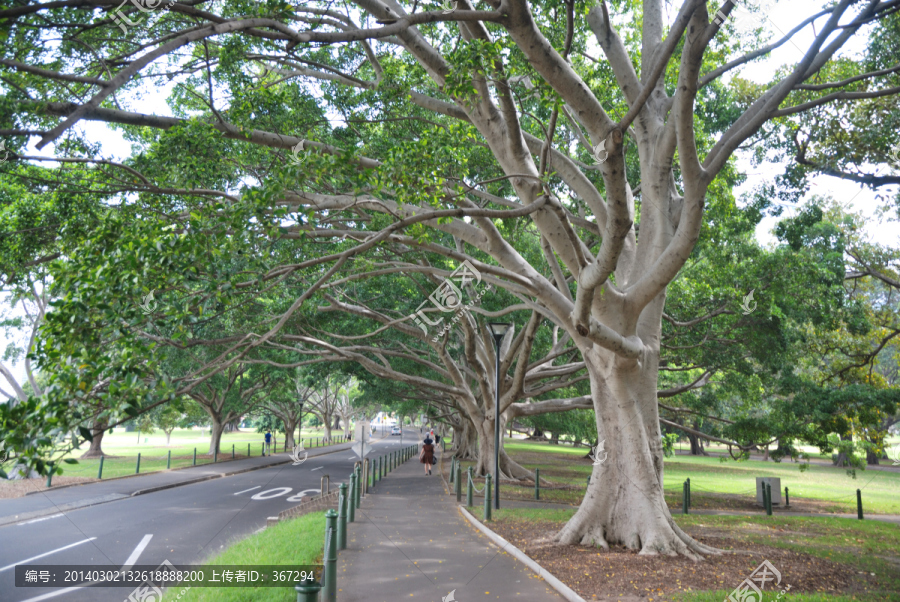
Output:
(426, 456)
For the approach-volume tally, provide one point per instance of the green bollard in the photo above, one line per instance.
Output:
(537, 483)
(308, 592)
(351, 506)
(689, 493)
(329, 559)
(487, 497)
(342, 517)
(684, 506)
(100, 470)
(452, 471)
(589, 481)
(787, 499)
(232, 451)
(469, 487)
(195, 457)
(216, 456)
(859, 513)
(169, 460)
(262, 449)
(458, 483)
(359, 484)
(137, 467)
(768, 500)
(50, 475)
(248, 453)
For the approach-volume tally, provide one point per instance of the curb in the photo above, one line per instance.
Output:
(564, 590)
(131, 476)
(56, 510)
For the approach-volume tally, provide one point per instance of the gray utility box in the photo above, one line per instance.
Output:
(776, 490)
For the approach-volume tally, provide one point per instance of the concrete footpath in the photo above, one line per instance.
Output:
(48, 502)
(410, 541)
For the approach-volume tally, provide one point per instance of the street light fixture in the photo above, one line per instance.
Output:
(499, 330)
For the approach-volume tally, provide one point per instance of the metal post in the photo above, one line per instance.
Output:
(458, 483)
(137, 467)
(359, 484)
(232, 451)
(351, 506)
(537, 483)
(859, 513)
(50, 475)
(367, 470)
(689, 492)
(325, 484)
(787, 498)
(262, 449)
(308, 592)
(216, 455)
(469, 487)
(195, 457)
(169, 460)
(589, 481)
(768, 499)
(496, 427)
(487, 497)
(100, 470)
(342, 516)
(329, 571)
(684, 507)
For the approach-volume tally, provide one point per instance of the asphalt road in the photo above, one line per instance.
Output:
(184, 525)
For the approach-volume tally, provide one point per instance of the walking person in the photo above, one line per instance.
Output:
(426, 456)
(268, 443)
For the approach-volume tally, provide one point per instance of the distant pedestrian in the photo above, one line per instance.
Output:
(268, 443)
(426, 456)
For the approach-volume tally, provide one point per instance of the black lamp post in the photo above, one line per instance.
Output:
(499, 330)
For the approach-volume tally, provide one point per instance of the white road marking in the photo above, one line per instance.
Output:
(128, 564)
(37, 520)
(246, 490)
(319, 468)
(277, 492)
(72, 545)
(137, 552)
(299, 496)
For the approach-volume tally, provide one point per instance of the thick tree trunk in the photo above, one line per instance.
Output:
(327, 424)
(337, 423)
(509, 468)
(346, 427)
(842, 459)
(537, 435)
(554, 438)
(95, 450)
(216, 428)
(696, 445)
(871, 458)
(465, 441)
(624, 503)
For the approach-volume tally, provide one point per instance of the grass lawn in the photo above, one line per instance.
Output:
(294, 542)
(714, 484)
(824, 559)
(122, 449)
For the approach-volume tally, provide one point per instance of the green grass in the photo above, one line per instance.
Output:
(122, 450)
(294, 542)
(869, 546)
(564, 465)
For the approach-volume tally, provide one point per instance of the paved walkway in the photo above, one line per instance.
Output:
(410, 542)
(62, 499)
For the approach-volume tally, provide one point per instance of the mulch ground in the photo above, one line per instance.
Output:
(623, 575)
(19, 487)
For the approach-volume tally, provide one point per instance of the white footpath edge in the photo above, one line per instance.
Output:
(519, 555)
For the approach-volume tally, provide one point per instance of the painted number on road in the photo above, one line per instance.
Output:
(271, 493)
(302, 494)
